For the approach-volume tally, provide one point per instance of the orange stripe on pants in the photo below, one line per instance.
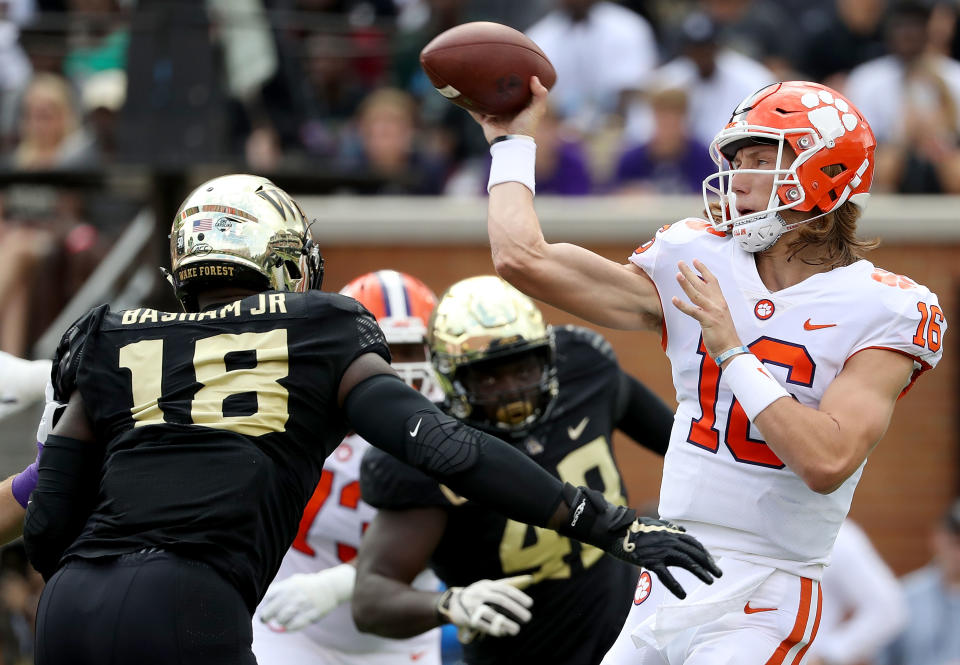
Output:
(799, 626)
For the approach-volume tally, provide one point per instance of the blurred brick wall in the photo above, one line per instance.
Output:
(910, 477)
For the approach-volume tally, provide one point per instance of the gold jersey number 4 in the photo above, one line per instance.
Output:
(542, 552)
(144, 359)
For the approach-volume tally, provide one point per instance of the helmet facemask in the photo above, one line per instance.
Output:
(758, 230)
(410, 354)
(507, 393)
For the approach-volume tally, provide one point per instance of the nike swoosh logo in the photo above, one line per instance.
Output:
(575, 432)
(416, 429)
(417, 655)
(813, 326)
(753, 610)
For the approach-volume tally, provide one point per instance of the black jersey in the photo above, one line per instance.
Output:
(581, 597)
(215, 424)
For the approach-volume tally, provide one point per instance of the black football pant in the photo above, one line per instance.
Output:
(147, 608)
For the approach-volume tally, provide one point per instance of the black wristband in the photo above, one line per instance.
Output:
(593, 519)
(507, 137)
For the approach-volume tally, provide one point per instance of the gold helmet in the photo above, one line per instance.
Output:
(494, 356)
(241, 230)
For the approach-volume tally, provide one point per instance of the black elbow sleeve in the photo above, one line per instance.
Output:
(643, 416)
(399, 420)
(67, 479)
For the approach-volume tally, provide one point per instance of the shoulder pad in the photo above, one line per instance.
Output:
(386, 482)
(69, 354)
(570, 335)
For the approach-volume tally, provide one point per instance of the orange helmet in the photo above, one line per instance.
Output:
(402, 305)
(824, 130)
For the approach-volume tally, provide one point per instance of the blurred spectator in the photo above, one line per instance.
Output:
(331, 91)
(931, 636)
(97, 39)
(43, 241)
(50, 135)
(923, 156)
(561, 161)
(848, 36)
(759, 30)
(383, 141)
(562, 167)
(102, 97)
(602, 53)
(863, 608)
(882, 87)
(14, 66)
(715, 78)
(672, 161)
(21, 250)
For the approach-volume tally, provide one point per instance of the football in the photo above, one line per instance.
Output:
(485, 67)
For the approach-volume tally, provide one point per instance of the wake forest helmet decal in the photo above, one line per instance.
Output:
(480, 324)
(834, 147)
(402, 305)
(241, 230)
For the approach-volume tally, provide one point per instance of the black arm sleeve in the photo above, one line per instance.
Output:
(67, 481)
(642, 415)
(399, 420)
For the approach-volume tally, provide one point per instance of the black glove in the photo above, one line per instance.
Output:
(642, 541)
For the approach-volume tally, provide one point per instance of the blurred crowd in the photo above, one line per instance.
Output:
(333, 89)
(335, 86)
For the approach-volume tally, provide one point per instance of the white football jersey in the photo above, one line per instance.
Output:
(720, 479)
(330, 532)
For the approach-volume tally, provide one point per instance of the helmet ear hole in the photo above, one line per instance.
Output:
(293, 269)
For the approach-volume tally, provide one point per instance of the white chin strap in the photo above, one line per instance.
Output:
(760, 233)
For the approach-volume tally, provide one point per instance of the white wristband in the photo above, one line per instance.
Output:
(752, 384)
(341, 579)
(514, 160)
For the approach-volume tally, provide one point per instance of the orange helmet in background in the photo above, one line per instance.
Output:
(402, 305)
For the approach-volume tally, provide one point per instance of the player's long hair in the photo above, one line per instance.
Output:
(835, 233)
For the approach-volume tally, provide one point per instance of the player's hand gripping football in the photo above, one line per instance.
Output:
(488, 607)
(643, 541)
(302, 599)
(525, 122)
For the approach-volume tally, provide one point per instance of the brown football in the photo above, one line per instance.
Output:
(485, 67)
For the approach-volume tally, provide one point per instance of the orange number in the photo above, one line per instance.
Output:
(928, 336)
(703, 431)
(349, 498)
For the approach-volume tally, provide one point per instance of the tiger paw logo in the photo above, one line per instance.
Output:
(831, 116)
(892, 279)
(644, 585)
(764, 309)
